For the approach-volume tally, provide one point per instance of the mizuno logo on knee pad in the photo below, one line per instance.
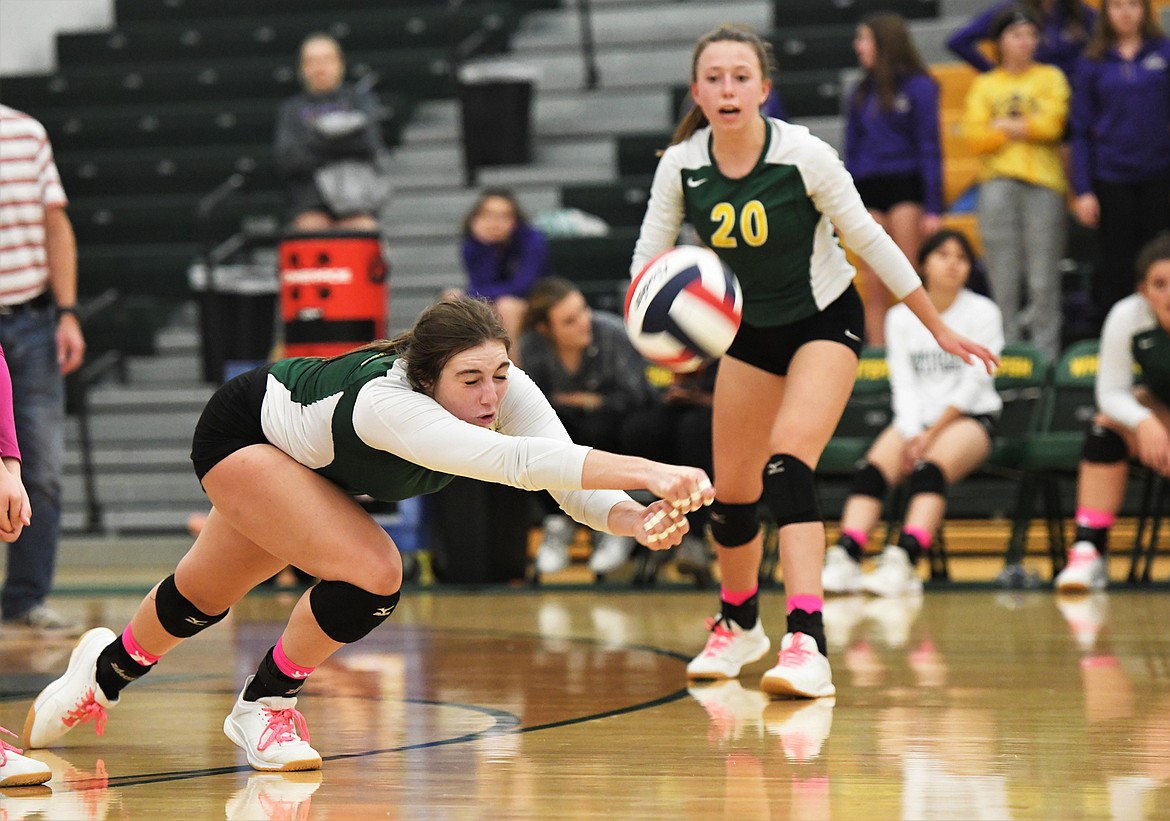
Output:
(383, 612)
(774, 467)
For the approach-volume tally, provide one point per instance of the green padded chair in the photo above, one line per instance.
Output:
(1053, 450)
(1022, 382)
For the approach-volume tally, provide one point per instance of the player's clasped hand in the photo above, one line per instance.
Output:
(663, 526)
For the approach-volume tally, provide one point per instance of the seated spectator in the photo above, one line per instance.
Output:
(1133, 419)
(593, 377)
(1120, 126)
(329, 146)
(1014, 118)
(1064, 29)
(944, 415)
(892, 148)
(503, 256)
(678, 426)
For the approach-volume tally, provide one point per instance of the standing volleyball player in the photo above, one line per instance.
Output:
(1133, 419)
(765, 196)
(281, 451)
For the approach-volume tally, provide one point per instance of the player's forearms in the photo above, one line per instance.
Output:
(612, 471)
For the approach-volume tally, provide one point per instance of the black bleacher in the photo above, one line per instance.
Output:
(166, 170)
(149, 117)
(599, 266)
(787, 13)
(425, 72)
(281, 36)
(132, 10)
(622, 204)
(813, 47)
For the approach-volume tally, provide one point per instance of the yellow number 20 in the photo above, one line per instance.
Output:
(753, 224)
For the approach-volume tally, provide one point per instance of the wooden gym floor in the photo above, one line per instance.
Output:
(572, 703)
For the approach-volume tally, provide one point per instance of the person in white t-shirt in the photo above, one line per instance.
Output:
(944, 416)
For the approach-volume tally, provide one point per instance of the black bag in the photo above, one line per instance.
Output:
(479, 532)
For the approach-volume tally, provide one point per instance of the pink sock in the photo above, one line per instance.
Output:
(737, 597)
(1096, 519)
(289, 668)
(806, 602)
(135, 649)
(857, 535)
(921, 534)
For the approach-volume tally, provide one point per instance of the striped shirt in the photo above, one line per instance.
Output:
(29, 183)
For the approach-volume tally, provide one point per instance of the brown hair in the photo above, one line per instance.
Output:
(1105, 38)
(491, 193)
(896, 57)
(1155, 251)
(695, 119)
(544, 296)
(446, 328)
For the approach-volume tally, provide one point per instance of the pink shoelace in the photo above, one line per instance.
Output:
(283, 726)
(796, 653)
(5, 746)
(721, 635)
(87, 710)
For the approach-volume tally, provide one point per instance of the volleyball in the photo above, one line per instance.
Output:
(683, 309)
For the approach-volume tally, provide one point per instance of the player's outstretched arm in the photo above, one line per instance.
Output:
(921, 306)
(685, 488)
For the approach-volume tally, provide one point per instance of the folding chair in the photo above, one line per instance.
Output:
(1155, 508)
(1053, 449)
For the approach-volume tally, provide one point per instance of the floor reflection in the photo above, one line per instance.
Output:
(1006, 705)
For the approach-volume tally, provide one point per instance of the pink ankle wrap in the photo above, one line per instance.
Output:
(806, 602)
(289, 668)
(135, 649)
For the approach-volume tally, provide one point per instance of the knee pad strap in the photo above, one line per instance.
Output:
(346, 613)
(734, 525)
(177, 615)
(927, 477)
(790, 491)
(1104, 446)
(868, 481)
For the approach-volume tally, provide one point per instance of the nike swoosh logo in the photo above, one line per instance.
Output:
(694, 183)
(853, 336)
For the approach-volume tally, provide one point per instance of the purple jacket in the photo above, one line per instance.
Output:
(903, 140)
(1120, 117)
(506, 270)
(1056, 47)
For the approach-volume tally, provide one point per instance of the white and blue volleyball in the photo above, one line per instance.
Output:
(684, 308)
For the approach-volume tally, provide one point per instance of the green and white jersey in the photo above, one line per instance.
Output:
(357, 421)
(1132, 336)
(774, 227)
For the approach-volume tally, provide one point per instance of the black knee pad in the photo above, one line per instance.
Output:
(1104, 446)
(790, 491)
(177, 615)
(927, 477)
(734, 525)
(868, 481)
(347, 613)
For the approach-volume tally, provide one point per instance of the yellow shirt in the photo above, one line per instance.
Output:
(1040, 96)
